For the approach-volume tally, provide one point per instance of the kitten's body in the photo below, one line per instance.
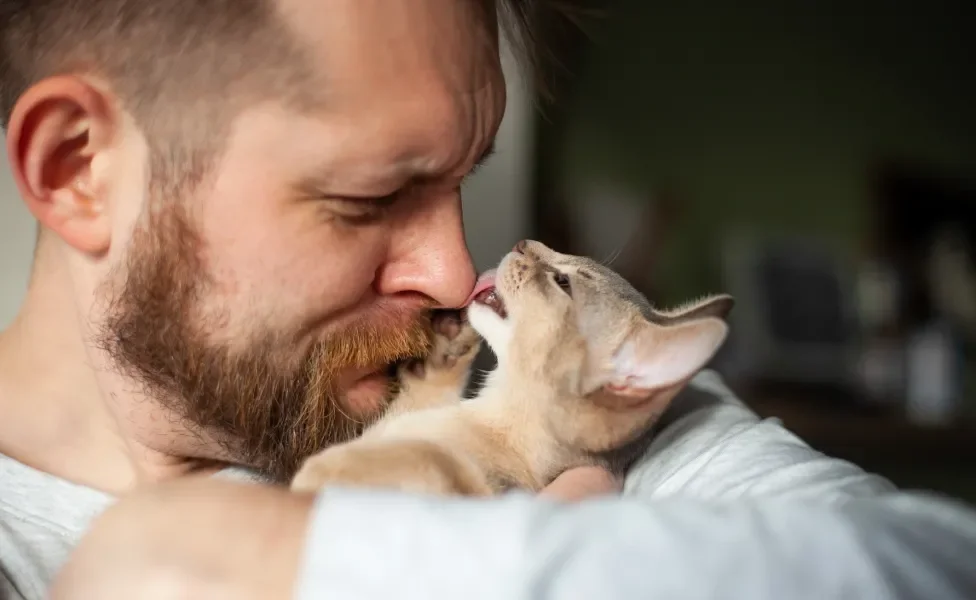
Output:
(585, 367)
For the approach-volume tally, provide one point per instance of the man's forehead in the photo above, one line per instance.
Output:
(408, 89)
(377, 46)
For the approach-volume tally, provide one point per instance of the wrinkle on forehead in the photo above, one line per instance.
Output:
(423, 137)
(410, 86)
(376, 46)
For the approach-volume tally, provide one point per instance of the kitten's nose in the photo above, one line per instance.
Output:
(520, 247)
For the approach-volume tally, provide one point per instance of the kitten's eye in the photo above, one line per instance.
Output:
(562, 280)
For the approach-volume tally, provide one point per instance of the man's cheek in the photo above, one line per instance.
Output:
(348, 272)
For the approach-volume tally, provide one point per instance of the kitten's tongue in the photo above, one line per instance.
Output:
(485, 282)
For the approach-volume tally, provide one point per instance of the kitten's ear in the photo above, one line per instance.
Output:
(718, 307)
(655, 357)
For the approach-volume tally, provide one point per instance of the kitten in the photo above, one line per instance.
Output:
(585, 368)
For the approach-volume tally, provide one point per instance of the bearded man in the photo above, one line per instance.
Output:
(247, 210)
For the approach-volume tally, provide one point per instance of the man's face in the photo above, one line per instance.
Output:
(267, 307)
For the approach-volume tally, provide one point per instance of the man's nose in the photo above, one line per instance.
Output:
(430, 257)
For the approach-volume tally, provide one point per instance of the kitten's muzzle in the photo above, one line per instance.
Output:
(486, 293)
(493, 300)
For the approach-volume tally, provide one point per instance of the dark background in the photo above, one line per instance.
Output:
(818, 160)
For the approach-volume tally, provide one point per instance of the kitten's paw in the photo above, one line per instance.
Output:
(456, 345)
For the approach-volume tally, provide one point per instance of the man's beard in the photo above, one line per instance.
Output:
(268, 405)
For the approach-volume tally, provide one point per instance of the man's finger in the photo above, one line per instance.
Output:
(582, 483)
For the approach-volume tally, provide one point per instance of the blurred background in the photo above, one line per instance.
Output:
(817, 160)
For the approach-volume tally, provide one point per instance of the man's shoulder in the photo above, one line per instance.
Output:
(710, 444)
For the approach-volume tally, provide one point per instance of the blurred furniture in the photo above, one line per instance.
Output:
(871, 362)
(922, 239)
(794, 321)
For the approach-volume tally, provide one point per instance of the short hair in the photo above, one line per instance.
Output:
(162, 58)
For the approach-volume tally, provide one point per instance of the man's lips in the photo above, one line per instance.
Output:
(483, 293)
(353, 376)
(367, 396)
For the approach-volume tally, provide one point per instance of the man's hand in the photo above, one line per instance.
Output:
(582, 483)
(194, 538)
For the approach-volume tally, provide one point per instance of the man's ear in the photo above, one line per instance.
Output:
(56, 130)
(654, 357)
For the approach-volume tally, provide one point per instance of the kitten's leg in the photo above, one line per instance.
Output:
(409, 465)
(440, 379)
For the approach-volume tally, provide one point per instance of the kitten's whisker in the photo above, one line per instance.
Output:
(615, 254)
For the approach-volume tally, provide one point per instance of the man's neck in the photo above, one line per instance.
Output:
(55, 415)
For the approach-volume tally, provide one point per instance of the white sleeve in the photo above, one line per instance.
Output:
(376, 546)
(712, 446)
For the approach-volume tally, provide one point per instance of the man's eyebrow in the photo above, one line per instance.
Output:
(314, 185)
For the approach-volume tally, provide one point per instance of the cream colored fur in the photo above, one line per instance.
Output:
(582, 376)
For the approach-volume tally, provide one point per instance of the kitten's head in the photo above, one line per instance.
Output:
(578, 328)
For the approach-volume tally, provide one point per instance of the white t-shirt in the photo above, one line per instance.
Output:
(722, 505)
